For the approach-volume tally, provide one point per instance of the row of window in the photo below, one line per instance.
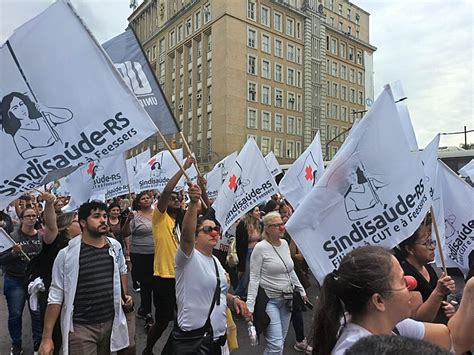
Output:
(340, 71)
(341, 49)
(293, 52)
(330, 5)
(293, 101)
(281, 148)
(198, 120)
(335, 131)
(342, 113)
(184, 30)
(294, 125)
(346, 94)
(199, 76)
(293, 76)
(281, 23)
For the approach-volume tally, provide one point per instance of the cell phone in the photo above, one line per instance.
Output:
(309, 305)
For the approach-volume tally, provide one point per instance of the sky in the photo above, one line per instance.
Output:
(428, 45)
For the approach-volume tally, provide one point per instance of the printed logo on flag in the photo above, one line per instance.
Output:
(156, 167)
(133, 74)
(92, 169)
(237, 184)
(309, 171)
(32, 125)
(458, 240)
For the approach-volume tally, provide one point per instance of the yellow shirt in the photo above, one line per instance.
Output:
(166, 244)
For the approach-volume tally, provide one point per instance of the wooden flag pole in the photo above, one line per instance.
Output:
(186, 146)
(15, 243)
(438, 241)
(188, 179)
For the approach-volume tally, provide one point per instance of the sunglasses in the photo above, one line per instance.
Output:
(429, 244)
(209, 229)
(174, 198)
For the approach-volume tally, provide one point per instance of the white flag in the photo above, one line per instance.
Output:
(468, 170)
(5, 241)
(217, 176)
(373, 192)
(133, 164)
(273, 164)
(157, 171)
(63, 107)
(303, 173)
(402, 108)
(248, 183)
(457, 208)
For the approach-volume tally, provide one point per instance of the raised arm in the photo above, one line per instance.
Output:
(186, 242)
(166, 193)
(49, 216)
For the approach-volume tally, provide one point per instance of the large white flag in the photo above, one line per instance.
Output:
(5, 241)
(468, 170)
(402, 108)
(217, 175)
(303, 173)
(63, 102)
(273, 164)
(157, 171)
(373, 192)
(133, 164)
(456, 207)
(248, 183)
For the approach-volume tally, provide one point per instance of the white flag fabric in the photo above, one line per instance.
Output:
(373, 192)
(133, 164)
(5, 241)
(64, 107)
(303, 173)
(402, 108)
(247, 184)
(218, 174)
(273, 164)
(468, 170)
(457, 208)
(157, 171)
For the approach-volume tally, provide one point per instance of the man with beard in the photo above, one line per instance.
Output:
(166, 224)
(86, 290)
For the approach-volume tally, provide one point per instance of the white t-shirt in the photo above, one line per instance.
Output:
(195, 285)
(351, 333)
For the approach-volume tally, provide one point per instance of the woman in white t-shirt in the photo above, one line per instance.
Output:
(369, 294)
(196, 277)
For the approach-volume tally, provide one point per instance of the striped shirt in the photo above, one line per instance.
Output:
(94, 300)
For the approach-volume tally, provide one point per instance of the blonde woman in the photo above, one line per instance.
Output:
(272, 285)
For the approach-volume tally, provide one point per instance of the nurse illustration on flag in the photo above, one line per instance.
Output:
(31, 125)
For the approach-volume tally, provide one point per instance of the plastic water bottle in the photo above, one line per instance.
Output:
(252, 334)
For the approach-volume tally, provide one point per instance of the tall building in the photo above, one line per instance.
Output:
(251, 68)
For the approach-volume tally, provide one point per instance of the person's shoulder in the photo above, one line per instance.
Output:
(350, 334)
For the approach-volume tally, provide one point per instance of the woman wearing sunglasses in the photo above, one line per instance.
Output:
(201, 286)
(273, 284)
(416, 253)
(368, 295)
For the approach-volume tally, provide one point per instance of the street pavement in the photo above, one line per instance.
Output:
(242, 334)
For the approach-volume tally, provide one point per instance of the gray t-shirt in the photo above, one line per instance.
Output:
(142, 235)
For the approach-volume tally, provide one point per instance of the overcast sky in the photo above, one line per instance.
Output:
(428, 45)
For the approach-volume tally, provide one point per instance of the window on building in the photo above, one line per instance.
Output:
(299, 102)
(343, 72)
(348, 13)
(352, 97)
(190, 102)
(298, 79)
(180, 33)
(334, 46)
(251, 118)
(266, 74)
(334, 110)
(278, 21)
(197, 20)
(290, 52)
(278, 123)
(278, 48)
(340, 9)
(172, 38)
(266, 99)
(352, 75)
(265, 16)
(359, 78)
(290, 125)
(334, 89)
(252, 38)
(199, 48)
(209, 120)
(298, 30)
(290, 26)
(265, 143)
(189, 26)
(252, 91)
(278, 73)
(360, 98)
(266, 121)
(334, 69)
(340, 26)
(266, 43)
(199, 124)
(298, 55)
(290, 149)
(331, 5)
(343, 93)
(252, 65)
(344, 113)
(209, 68)
(209, 42)
(278, 147)
(299, 126)
(252, 10)
(162, 69)
(359, 57)
(357, 18)
(199, 73)
(278, 98)
(207, 13)
(351, 53)
(290, 78)
(190, 54)
(297, 148)
(209, 94)
(190, 78)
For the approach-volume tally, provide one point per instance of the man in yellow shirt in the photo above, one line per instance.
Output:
(166, 226)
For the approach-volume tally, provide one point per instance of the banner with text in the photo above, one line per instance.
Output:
(216, 177)
(133, 164)
(273, 164)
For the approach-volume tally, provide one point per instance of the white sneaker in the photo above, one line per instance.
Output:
(302, 346)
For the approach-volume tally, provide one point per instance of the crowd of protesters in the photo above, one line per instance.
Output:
(71, 269)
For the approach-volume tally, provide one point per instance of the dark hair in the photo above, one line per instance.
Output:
(409, 242)
(201, 219)
(270, 206)
(86, 208)
(136, 201)
(362, 273)
(114, 205)
(10, 123)
(393, 345)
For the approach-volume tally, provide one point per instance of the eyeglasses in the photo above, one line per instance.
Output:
(429, 244)
(276, 225)
(30, 216)
(209, 229)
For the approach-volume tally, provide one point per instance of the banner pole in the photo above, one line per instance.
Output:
(15, 243)
(185, 143)
(438, 240)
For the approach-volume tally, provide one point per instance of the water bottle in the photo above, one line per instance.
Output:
(252, 334)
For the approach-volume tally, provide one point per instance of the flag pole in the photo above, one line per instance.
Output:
(15, 243)
(186, 146)
(438, 240)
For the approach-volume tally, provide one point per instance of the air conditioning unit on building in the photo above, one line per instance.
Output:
(291, 100)
(180, 107)
(279, 97)
(198, 96)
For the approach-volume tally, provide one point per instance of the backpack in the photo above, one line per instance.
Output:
(232, 258)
